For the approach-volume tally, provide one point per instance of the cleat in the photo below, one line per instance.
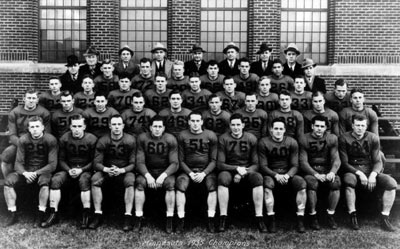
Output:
(331, 222)
(271, 224)
(127, 223)
(181, 225)
(314, 223)
(211, 225)
(51, 220)
(222, 221)
(96, 222)
(11, 219)
(168, 226)
(261, 225)
(386, 225)
(300, 224)
(39, 219)
(138, 224)
(85, 218)
(354, 221)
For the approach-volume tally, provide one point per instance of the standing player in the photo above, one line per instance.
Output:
(195, 98)
(230, 66)
(107, 81)
(178, 80)
(121, 98)
(51, 99)
(301, 99)
(84, 99)
(158, 98)
(36, 160)
(246, 82)
(99, 116)
(197, 64)
(75, 163)
(231, 99)
(17, 123)
(212, 81)
(255, 120)
(137, 119)
(145, 79)
(319, 159)
(339, 98)
(263, 66)
(157, 162)
(114, 161)
(279, 163)
(359, 153)
(292, 67)
(267, 101)
(294, 122)
(197, 157)
(175, 116)
(216, 119)
(318, 109)
(238, 162)
(61, 119)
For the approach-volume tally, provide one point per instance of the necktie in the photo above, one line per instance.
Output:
(264, 65)
(125, 65)
(198, 65)
(231, 64)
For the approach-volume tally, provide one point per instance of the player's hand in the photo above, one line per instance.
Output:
(30, 176)
(330, 177)
(237, 178)
(372, 181)
(151, 182)
(320, 177)
(280, 179)
(241, 170)
(363, 178)
(192, 176)
(109, 171)
(199, 177)
(160, 180)
(72, 173)
(118, 171)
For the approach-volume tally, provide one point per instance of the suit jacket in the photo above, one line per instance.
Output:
(226, 70)
(86, 70)
(297, 70)
(190, 66)
(132, 69)
(256, 67)
(167, 67)
(318, 85)
(67, 84)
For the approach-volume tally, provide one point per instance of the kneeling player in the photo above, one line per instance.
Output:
(197, 157)
(279, 163)
(75, 160)
(157, 162)
(319, 159)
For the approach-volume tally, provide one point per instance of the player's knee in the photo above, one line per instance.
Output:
(11, 179)
(350, 180)
(298, 183)
(182, 183)
(169, 183)
(336, 184)
(9, 153)
(224, 179)
(211, 183)
(84, 182)
(312, 182)
(44, 180)
(269, 183)
(255, 179)
(140, 183)
(387, 182)
(129, 180)
(97, 180)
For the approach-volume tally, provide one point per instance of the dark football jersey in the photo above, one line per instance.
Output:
(142, 84)
(268, 103)
(60, 121)
(294, 122)
(345, 123)
(137, 122)
(301, 102)
(336, 104)
(156, 101)
(248, 85)
(195, 101)
(97, 123)
(332, 117)
(180, 85)
(282, 83)
(49, 101)
(216, 123)
(175, 122)
(121, 100)
(255, 122)
(106, 85)
(233, 103)
(84, 101)
(213, 86)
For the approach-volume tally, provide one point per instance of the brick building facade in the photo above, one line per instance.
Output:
(362, 42)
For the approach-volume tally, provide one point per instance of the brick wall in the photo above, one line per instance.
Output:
(19, 29)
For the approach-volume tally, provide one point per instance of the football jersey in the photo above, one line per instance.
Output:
(345, 123)
(97, 123)
(213, 86)
(217, 123)
(195, 101)
(175, 122)
(301, 102)
(142, 84)
(248, 85)
(333, 119)
(49, 101)
(121, 100)
(284, 82)
(178, 84)
(104, 85)
(336, 104)
(255, 122)
(268, 103)
(233, 103)
(137, 122)
(156, 101)
(84, 101)
(294, 122)
(60, 121)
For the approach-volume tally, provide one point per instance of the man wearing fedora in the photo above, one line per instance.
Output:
(92, 66)
(197, 64)
(71, 80)
(292, 67)
(313, 83)
(160, 62)
(264, 65)
(230, 66)
(126, 64)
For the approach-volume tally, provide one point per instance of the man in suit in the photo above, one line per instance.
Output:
(160, 62)
(92, 66)
(313, 83)
(126, 64)
(71, 80)
(197, 64)
(230, 66)
(292, 67)
(264, 65)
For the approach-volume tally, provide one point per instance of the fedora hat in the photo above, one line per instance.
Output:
(158, 46)
(127, 48)
(197, 48)
(72, 60)
(229, 46)
(264, 47)
(292, 47)
(91, 51)
(308, 62)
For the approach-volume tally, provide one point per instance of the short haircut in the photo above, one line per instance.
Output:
(100, 94)
(212, 63)
(278, 120)
(228, 77)
(251, 94)
(285, 92)
(236, 116)
(137, 95)
(34, 119)
(195, 113)
(107, 61)
(320, 118)
(356, 90)
(213, 96)
(66, 93)
(124, 75)
(277, 61)
(175, 91)
(341, 82)
(144, 60)
(78, 117)
(317, 93)
(299, 76)
(194, 75)
(87, 76)
(358, 117)
(116, 116)
(54, 78)
(244, 59)
(178, 63)
(263, 78)
(157, 118)
(161, 74)
(31, 90)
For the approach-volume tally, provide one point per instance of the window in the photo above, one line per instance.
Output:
(305, 22)
(223, 21)
(62, 29)
(143, 23)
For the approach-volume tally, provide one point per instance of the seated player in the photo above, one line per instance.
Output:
(175, 116)
(267, 101)
(99, 116)
(212, 81)
(75, 167)
(339, 98)
(145, 79)
(121, 98)
(157, 162)
(216, 119)
(114, 161)
(197, 159)
(158, 98)
(85, 98)
(255, 120)
(279, 164)
(37, 154)
(280, 81)
(61, 119)
(178, 80)
(246, 82)
(195, 98)
(50, 99)
(362, 164)
(137, 118)
(319, 160)
(107, 81)
(238, 162)
(301, 99)
(231, 99)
